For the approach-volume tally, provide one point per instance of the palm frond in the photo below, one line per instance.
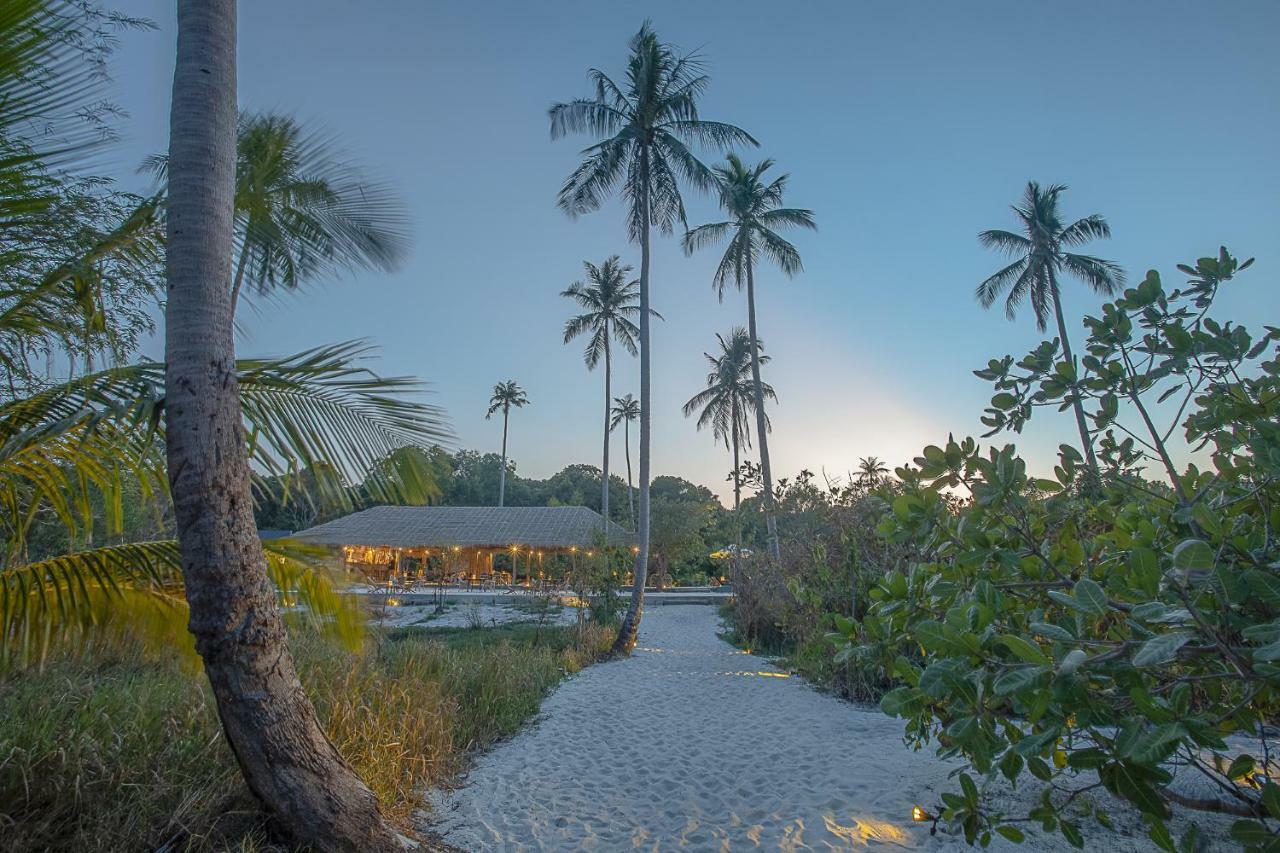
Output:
(1004, 241)
(1105, 277)
(137, 589)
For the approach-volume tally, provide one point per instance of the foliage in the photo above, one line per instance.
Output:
(302, 210)
(108, 749)
(1101, 634)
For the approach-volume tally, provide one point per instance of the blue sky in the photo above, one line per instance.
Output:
(906, 127)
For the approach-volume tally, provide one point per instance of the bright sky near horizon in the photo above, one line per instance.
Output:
(906, 127)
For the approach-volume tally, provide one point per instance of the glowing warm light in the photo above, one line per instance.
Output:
(393, 602)
(574, 549)
(866, 831)
(919, 815)
(456, 549)
(635, 550)
(591, 553)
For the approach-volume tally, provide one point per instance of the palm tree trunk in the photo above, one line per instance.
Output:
(604, 476)
(626, 639)
(314, 797)
(1085, 438)
(502, 472)
(771, 523)
(631, 505)
(737, 479)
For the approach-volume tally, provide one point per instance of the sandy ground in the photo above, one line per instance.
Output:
(464, 615)
(692, 743)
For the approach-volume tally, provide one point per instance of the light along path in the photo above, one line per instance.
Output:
(693, 743)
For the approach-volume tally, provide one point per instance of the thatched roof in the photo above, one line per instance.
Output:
(467, 527)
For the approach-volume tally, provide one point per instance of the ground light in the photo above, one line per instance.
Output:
(920, 815)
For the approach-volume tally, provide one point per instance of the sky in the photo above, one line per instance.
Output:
(906, 127)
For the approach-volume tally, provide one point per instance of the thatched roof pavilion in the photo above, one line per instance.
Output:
(381, 535)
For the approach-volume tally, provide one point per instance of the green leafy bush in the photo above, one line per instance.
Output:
(1100, 629)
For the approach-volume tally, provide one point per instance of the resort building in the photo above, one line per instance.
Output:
(468, 544)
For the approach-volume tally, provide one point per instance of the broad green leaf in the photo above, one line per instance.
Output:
(1090, 597)
(1161, 648)
(1024, 649)
(1192, 555)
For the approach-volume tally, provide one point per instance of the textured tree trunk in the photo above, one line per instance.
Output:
(1085, 438)
(604, 477)
(626, 640)
(631, 501)
(313, 796)
(771, 523)
(737, 479)
(502, 472)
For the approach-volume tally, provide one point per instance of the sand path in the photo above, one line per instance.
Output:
(693, 743)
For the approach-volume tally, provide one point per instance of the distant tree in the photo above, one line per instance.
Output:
(648, 125)
(302, 210)
(505, 395)
(1041, 259)
(681, 513)
(729, 397)
(608, 301)
(756, 215)
(625, 411)
(871, 471)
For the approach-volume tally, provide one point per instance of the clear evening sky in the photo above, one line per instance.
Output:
(906, 127)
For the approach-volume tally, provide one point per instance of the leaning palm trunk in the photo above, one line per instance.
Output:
(626, 640)
(314, 797)
(762, 424)
(1085, 438)
(604, 476)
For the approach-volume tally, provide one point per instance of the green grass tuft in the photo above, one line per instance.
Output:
(113, 750)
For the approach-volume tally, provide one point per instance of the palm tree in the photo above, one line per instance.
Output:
(1041, 258)
(505, 395)
(625, 411)
(288, 762)
(609, 302)
(870, 471)
(756, 215)
(301, 210)
(729, 396)
(647, 127)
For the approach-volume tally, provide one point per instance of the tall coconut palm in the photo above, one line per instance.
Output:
(270, 724)
(626, 410)
(756, 216)
(647, 125)
(608, 300)
(871, 471)
(505, 395)
(729, 397)
(302, 210)
(1042, 256)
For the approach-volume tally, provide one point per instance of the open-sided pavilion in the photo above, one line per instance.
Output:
(467, 543)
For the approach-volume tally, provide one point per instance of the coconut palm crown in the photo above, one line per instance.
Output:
(506, 395)
(1042, 258)
(729, 396)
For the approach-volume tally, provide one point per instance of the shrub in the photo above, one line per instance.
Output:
(1101, 623)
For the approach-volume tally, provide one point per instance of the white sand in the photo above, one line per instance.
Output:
(692, 743)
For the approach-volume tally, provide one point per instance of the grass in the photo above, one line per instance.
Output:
(813, 658)
(112, 750)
